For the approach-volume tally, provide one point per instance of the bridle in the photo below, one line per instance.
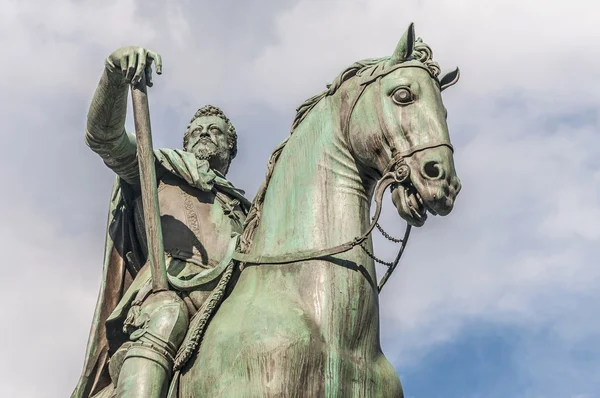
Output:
(397, 172)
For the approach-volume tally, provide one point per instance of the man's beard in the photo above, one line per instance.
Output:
(217, 157)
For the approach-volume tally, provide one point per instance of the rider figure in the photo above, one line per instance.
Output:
(200, 214)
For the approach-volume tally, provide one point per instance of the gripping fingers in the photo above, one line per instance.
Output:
(123, 64)
(157, 60)
(141, 66)
(131, 65)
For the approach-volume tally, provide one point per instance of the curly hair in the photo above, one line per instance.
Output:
(210, 110)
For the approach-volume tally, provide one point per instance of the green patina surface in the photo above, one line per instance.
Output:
(311, 328)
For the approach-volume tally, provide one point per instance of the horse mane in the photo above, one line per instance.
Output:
(422, 53)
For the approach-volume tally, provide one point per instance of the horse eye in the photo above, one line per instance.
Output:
(402, 96)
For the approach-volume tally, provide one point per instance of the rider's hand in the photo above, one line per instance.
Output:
(132, 61)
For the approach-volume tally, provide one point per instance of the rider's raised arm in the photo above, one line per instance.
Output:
(105, 130)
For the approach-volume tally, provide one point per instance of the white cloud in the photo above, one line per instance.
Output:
(47, 45)
(522, 240)
(533, 46)
(521, 63)
(520, 230)
(50, 280)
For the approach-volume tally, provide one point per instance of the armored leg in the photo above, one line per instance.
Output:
(159, 325)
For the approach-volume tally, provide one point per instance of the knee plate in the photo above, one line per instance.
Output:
(159, 326)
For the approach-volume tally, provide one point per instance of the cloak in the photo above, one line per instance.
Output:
(121, 275)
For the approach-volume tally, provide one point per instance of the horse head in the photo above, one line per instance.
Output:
(395, 119)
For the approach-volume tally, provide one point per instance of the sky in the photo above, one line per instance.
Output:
(497, 299)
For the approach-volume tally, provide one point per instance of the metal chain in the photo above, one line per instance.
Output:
(388, 236)
(387, 264)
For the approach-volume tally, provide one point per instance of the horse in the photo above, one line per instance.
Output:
(296, 324)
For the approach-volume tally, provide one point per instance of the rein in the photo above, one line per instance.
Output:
(396, 176)
(397, 172)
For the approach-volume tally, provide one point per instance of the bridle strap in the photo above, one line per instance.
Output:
(395, 173)
(397, 156)
(346, 118)
(382, 123)
(380, 188)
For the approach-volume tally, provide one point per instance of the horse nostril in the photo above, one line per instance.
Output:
(447, 190)
(433, 170)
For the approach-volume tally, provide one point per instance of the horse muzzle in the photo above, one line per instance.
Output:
(432, 187)
(435, 179)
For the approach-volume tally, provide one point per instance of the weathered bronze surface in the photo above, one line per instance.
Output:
(138, 327)
(148, 186)
(297, 313)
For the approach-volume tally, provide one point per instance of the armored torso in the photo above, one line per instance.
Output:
(197, 225)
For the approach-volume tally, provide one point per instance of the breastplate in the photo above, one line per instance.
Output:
(195, 224)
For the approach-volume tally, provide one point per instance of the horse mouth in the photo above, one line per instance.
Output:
(410, 204)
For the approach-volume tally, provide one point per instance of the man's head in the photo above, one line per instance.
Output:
(211, 136)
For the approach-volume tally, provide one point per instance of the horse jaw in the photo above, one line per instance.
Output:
(409, 204)
(431, 189)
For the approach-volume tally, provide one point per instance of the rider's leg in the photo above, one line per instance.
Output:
(159, 327)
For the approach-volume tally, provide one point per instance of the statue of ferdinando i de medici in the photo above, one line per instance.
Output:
(278, 297)
(200, 212)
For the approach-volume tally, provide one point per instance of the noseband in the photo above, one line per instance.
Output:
(396, 172)
(397, 165)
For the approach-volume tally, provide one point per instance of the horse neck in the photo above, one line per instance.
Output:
(317, 196)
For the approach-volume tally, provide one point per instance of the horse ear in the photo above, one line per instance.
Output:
(449, 79)
(405, 46)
